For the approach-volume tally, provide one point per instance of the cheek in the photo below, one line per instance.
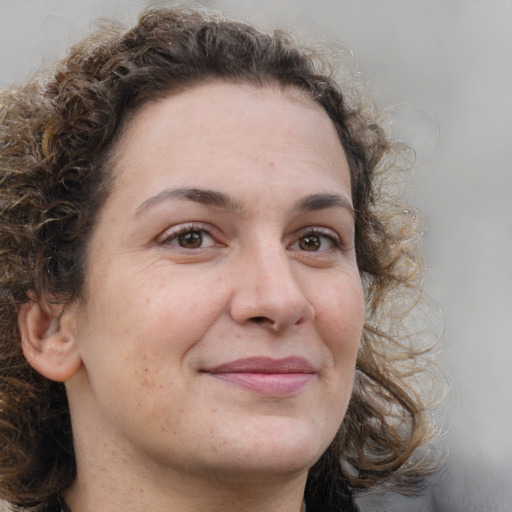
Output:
(133, 343)
(136, 323)
(341, 318)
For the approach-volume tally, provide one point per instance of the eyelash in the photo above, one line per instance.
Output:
(173, 234)
(320, 233)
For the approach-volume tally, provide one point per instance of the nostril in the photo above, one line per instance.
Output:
(260, 320)
(265, 322)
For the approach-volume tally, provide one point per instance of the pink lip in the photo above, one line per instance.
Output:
(266, 376)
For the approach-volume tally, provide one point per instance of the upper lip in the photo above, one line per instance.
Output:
(292, 364)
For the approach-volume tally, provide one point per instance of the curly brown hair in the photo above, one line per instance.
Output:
(56, 136)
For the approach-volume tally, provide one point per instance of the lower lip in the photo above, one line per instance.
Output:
(269, 384)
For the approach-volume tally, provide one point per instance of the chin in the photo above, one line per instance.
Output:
(278, 448)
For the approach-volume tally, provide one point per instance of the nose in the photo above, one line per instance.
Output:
(268, 294)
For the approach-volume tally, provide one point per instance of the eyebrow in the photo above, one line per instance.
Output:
(323, 201)
(202, 196)
(219, 199)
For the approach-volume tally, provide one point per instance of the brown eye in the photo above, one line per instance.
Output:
(191, 239)
(316, 241)
(310, 243)
(188, 237)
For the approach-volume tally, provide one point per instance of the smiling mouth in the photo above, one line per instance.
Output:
(266, 376)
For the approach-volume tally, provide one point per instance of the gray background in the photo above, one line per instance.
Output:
(444, 69)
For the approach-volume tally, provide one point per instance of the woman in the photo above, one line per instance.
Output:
(205, 280)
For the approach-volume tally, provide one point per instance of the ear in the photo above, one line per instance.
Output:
(47, 340)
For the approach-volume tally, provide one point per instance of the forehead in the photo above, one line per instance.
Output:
(213, 130)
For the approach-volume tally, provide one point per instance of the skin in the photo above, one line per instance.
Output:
(180, 282)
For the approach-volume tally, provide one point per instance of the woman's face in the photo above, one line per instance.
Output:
(223, 305)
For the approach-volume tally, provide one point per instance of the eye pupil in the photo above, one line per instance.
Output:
(310, 243)
(191, 239)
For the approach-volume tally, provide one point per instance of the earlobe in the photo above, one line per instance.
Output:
(47, 343)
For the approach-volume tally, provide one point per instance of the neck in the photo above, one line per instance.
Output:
(110, 491)
(110, 478)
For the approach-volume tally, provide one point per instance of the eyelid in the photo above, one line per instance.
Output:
(329, 233)
(175, 231)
